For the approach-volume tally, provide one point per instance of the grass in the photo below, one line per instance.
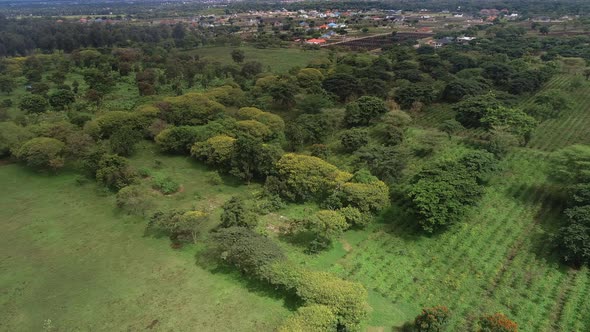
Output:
(278, 59)
(72, 261)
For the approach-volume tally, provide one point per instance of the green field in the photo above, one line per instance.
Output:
(71, 261)
(278, 59)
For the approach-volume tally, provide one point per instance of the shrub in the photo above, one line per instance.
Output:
(42, 152)
(354, 217)
(114, 172)
(177, 139)
(180, 227)
(12, 136)
(497, 323)
(134, 200)
(313, 317)
(322, 228)
(189, 109)
(33, 104)
(248, 251)
(216, 150)
(303, 178)
(235, 213)
(165, 184)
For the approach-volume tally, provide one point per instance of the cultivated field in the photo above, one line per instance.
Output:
(499, 259)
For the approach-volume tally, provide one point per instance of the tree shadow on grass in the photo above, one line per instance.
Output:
(549, 203)
(400, 221)
(207, 260)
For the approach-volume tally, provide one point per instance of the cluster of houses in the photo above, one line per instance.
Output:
(441, 42)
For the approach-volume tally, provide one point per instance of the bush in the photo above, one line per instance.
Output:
(33, 104)
(180, 227)
(134, 200)
(217, 150)
(189, 109)
(313, 317)
(248, 251)
(235, 213)
(354, 217)
(497, 323)
(12, 136)
(432, 319)
(322, 228)
(165, 185)
(177, 139)
(42, 152)
(302, 178)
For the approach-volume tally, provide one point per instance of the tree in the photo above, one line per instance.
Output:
(322, 228)
(177, 139)
(353, 139)
(61, 99)
(385, 162)
(134, 200)
(124, 140)
(251, 158)
(544, 30)
(460, 88)
(441, 192)
(450, 127)
(181, 227)
(238, 56)
(302, 178)
(573, 239)
(189, 109)
(251, 69)
(342, 86)
(364, 110)
(470, 110)
(114, 172)
(514, 121)
(33, 104)
(314, 103)
(217, 150)
(310, 78)
(416, 92)
(571, 165)
(42, 152)
(248, 251)
(7, 84)
(432, 319)
(236, 214)
(12, 136)
(497, 323)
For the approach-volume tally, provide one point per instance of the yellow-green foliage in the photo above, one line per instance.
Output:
(309, 76)
(314, 317)
(329, 223)
(189, 109)
(249, 113)
(42, 152)
(227, 95)
(106, 124)
(304, 177)
(254, 128)
(348, 300)
(149, 111)
(215, 150)
(264, 83)
(12, 136)
(273, 121)
(367, 197)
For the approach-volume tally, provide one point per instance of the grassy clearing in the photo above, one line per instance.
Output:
(70, 257)
(278, 59)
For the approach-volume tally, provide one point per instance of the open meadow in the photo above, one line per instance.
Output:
(72, 262)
